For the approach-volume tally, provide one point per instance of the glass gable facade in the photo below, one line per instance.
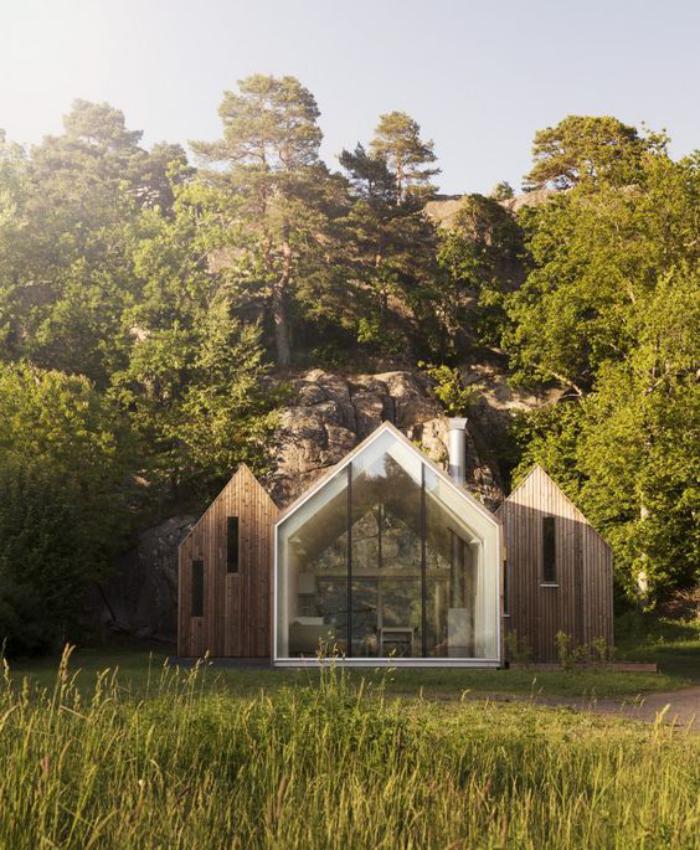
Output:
(387, 560)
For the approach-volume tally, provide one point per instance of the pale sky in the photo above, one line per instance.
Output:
(479, 76)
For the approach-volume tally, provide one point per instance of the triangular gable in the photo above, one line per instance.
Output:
(382, 429)
(242, 475)
(538, 470)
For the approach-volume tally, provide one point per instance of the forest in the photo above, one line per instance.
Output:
(154, 304)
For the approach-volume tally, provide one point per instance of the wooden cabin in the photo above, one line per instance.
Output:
(558, 574)
(225, 567)
(392, 560)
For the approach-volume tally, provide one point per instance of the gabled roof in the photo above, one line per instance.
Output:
(242, 475)
(538, 471)
(392, 429)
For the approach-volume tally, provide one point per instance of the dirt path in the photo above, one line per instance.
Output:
(680, 708)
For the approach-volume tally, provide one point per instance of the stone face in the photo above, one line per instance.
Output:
(140, 597)
(444, 212)
(333, 414)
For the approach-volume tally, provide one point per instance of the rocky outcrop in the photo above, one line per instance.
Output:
(140, 597)
(444, 212)
(332, 413)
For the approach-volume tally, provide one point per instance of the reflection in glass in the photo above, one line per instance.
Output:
(381, 563)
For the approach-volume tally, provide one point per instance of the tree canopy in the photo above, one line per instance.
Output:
(153, 309)
(590, 147)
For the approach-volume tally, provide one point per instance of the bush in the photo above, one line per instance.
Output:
(44, 567)
(62, 511)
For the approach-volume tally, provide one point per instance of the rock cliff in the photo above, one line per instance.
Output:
(333, 413)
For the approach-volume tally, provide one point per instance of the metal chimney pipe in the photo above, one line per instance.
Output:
(457, 450)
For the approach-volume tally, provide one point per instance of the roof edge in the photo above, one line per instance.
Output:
(538, 467)
(378, 431)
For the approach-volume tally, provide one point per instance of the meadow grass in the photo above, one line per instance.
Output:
(136, 665)
(339, 763)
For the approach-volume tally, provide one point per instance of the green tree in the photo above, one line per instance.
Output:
(398, 142)
(391, 257)
(64, 457)
(597, 252)
(277, 196)
(67, 279)
(193, 381)
(502, 191)
(610, 312)
(484, 255)
(586, 146)
(640, 445)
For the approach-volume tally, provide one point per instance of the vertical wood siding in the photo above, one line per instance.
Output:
(236, 620)
(581, 605)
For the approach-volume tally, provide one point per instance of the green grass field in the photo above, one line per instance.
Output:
(145, 755)
(674, 645)
(137, 666)
(196, 761)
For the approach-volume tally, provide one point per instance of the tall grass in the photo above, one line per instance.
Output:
(335, 766)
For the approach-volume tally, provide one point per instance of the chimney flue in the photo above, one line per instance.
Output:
(457, 449)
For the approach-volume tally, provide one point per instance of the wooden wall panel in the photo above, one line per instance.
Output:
(236, 616)
(581, 604)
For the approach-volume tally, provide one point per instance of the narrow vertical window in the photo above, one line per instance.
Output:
(197, 589)
(506, 588)
(232, 545)
(549, 551)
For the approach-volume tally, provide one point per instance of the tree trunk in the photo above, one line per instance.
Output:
(279, 307)
(279, 316)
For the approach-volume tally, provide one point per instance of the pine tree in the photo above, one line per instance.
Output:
(397, 141)
(275, 187)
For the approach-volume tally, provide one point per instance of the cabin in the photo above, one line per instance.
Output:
(387, 559)
(224, 571)
(558, 570)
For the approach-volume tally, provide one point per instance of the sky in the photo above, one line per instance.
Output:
(480, 76)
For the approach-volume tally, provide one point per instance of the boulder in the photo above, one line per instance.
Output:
(140, 597)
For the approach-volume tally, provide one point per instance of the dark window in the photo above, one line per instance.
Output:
(232, 545)
(197, 588)
(549, 551)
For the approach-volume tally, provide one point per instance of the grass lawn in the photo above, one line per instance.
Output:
(210, 761)
(674, 645)
(149, 756)
(138, 667)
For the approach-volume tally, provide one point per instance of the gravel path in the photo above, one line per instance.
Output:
(680, 708)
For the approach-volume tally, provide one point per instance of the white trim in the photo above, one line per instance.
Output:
(273, 605)
(381, 429)
(388, 662)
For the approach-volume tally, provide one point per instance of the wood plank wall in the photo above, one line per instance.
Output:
(237, 613)
(581, 605)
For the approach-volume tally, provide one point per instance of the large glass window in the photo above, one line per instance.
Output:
(312, 579)
(381, 563)
(386, 564)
